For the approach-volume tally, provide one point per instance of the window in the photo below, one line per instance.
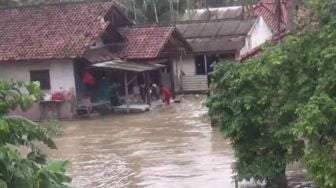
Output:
(41, 76)
(200, 65)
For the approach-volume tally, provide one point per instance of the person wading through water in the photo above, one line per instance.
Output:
(166, 94)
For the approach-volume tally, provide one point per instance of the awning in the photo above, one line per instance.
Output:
(128, 66)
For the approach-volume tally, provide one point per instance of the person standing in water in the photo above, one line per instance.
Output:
(154, 91)
(166, 94)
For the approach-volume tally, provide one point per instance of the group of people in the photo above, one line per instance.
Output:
(165, 92)
(104, 90)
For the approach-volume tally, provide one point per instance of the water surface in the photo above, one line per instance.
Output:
(173, 146)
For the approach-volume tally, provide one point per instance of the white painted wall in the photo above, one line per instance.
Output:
(258, 35)
(188, 65)
(185, 64)
(61, 77)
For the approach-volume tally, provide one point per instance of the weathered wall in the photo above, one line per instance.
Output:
(61, 77)
(188, 65)
(258, 35)
(185, 64)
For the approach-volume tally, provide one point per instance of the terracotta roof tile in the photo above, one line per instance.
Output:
(145, 42)
(50, 31)
(267, 10)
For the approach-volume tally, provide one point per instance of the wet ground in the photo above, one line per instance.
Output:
(173, 146)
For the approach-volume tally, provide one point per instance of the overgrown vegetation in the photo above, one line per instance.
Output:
(31, 170)
(280, 107)
(52, 127)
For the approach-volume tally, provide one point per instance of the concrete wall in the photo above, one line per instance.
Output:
(185, 64)
(61, 78)
(258, 35)
(188, 65)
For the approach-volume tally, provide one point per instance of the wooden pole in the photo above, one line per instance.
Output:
(206, 68)
(172, 79)
(205, 64)
(145, 82)
(126, 92)
(148, 94)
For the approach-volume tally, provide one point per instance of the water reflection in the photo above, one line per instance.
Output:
(170, 147)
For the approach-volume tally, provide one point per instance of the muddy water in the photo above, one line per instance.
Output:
(169, 147)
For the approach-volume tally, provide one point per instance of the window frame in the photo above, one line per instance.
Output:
(44, 85)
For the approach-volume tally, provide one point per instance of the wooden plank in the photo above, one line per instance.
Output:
(195, 83)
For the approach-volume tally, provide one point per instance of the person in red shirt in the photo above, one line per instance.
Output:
(166, 94)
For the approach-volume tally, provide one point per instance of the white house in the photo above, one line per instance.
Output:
(216, 34)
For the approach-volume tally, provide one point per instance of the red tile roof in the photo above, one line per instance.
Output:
(145, 42)
(50, 31)
(267, 10)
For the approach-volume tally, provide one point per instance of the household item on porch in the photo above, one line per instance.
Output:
(138, 95)
(47, 97)
(88, 78)
(58, 96)
(49, 108)
(102, 107)
(84, 107)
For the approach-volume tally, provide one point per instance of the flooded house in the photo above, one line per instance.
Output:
(85, 54)
(216, 35)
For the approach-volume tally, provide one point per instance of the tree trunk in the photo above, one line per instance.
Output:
(155, 12)
(135, 11)
(278, 182)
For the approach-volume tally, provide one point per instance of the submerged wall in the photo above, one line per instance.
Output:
(61, 78)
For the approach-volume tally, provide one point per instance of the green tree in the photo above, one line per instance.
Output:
(280, 107)
(16, 169)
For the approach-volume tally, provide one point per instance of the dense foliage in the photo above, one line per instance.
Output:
(147, 10)
(280, 107)
(16, 169)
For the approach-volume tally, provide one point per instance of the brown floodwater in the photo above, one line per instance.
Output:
(172, 146)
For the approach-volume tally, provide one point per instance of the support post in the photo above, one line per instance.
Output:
(148, 95)
(145, 82)
(172, 79)
(126, 92)
(206, 69)
(205, 64)
(177, 75)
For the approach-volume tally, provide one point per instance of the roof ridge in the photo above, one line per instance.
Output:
(56, 4)
(217, 20)
(151, 25)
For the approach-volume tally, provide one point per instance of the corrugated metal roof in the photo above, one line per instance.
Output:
(216, 29)
(211, 29)
(212, 14)
(128, 66)
(245, 27)
(202, 45)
